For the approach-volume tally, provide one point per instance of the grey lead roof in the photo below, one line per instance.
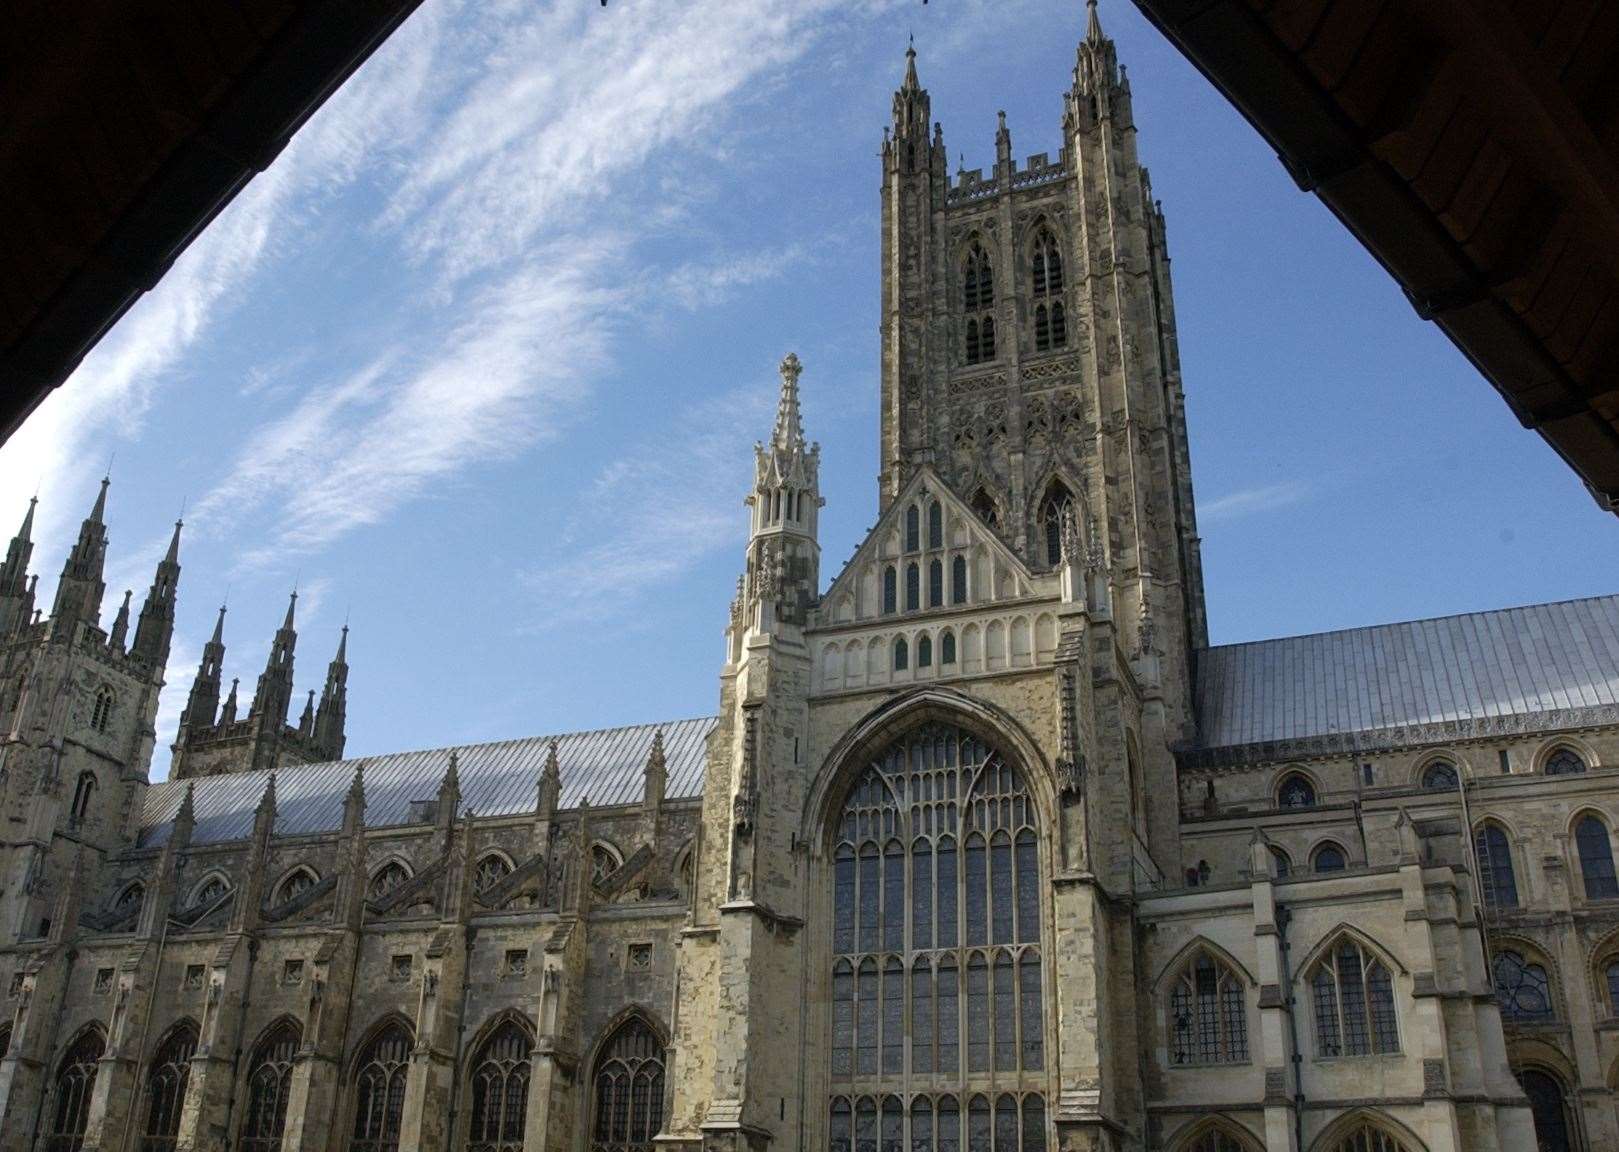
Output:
(499, 779)
(1538, 658)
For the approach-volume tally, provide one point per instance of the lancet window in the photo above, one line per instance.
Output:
(938, 1036)
(1208, 1014)
(628, 1090)
(1495, 873)
(75, 1081)
(166, 1088)
(269, 1082)
(1596, 859)
(295, 885)
(1353, 997)
(1367, 1138)
(101, 713)
(1548, 1106)
(379, 1090)
(500, 1078)
(1052, 510)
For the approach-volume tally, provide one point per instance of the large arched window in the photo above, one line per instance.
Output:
(1548, 1105)
(379, 1089)
(1596, 859)
(627, 1090)
(269, 1082)
(1208, 1014)
(1522, 988)
(75, 1081)
(1052, 509)
(1564, 761)
(500, 1076)
(937, 921)
(1366, 1137)
(1440, 774)
(1353, 998)
(1495, 873)
(166, 1087)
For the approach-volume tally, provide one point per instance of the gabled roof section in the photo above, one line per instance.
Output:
(851, 596)
(499, 779)
(1481, 673)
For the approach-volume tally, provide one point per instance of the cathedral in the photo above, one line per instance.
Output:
(986, 849)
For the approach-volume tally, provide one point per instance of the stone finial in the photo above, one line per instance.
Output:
(549, 792)
(788, 435)
(354, 801)
(267, 800)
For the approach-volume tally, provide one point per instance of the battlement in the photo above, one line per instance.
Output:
(970, 185)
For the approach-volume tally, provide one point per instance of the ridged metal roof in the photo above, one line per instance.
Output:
(498, 779)
(1538, 658)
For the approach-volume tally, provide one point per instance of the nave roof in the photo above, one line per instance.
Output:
(496, 779)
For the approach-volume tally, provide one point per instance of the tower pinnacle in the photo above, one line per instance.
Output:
(1093, 23)
(789, 431)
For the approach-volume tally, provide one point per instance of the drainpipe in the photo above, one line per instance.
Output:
(1478, 880)
(1283, 919)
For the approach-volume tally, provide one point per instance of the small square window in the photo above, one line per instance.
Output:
(639, 958)
(292, 972)
(194, 974)
(517, 962)
(399, 970)
(103, 981)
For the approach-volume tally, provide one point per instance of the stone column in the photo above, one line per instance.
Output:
(1275, 1004)
(1084, 1108)
(1428, 986)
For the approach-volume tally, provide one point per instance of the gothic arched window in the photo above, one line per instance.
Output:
(1548, 1105)
(1052, 509)
(986, 339)
(604, 861)
(935, 525)
(924, 651)
(1059, 325)
(902, 654)
(75, 1081)
(295, 885)
(890, 590)
(1367, 1138)
(101, 713)
(1208, 1014)
(1296, 792)
(379, 1089)
(1440, 774)
(1596, 859)
(166, 1088)
(1353, 996)
(1495, 874)
(936, 921)
(212, 889)
(1564, 761)
(977, 281)
(913, 587)
(947, 647)
(628, 1090)
(958, 580)
(1047, 265)
(983, 505)
(83, 792)
(500, 1076)
(1042, 328)
(130, 897)
(1284, 865)
(492, 869)
(1328, 858)
(974, 348)
(913, 529)
(390, 876)
(1522, 988)
(935, 583)
(269, 1082)
(1215, 1140)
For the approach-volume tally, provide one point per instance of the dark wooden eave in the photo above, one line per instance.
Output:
(1473, 147)
(125, 126)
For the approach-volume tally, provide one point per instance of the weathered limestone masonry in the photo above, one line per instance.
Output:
(986, 850)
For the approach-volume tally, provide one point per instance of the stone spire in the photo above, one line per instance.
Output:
(203, 703)
(788, 435)
(549, 792)
(783, 553)
(156, 628)
(274, 693)
(79, 591)
(1096, 69)
(912, 116)
(330, 718)
(120, 624)
(1093, 24)
(14, 575)
(655, 784)
(910, 83)
(449, 797)
(306, 722)
(227, 714)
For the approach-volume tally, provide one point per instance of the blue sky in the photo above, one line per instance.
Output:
(479, 361)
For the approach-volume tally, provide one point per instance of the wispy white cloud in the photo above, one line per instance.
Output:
(1251, 501)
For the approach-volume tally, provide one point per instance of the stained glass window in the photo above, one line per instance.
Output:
(628, 1090)
(500, 1077)
(1208, 1014)
(1353, 999)
(1440, 774)
(1522, 988)
(1495, 873)
(1329, 858)
(1596, 859)
(910, 983)
(958, 579)
(269, 1083)
(379, 1090)
(166, 1088)
(1296, 792)
(1564, 761)
(75, 1081)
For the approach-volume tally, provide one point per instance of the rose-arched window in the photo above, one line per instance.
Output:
(628, 1090)
(1208, 1014)
(603, 862)
(379, 1090)
(269, 1083)
(936, 963)
(1522, 988)
(166, 1088)
(492, 869)
(500, 1076)
(75, 1081)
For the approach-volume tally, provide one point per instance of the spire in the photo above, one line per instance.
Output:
(79, 591)
(14, 574)
(354, 801)
(227, 714)
(120, 624)
(156, 628)
(550, 786)
(911, 83)
(186, 819)
(273, 696)
(306, 722)
(912, 117)
(330, 718)
(1093, 24)
(266, 807)
(789, 431)
(449, 795)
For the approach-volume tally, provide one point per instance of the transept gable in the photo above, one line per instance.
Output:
(928, 550)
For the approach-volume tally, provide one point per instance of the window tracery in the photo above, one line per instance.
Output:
(628, 1090)
(212, 889)
(1522, 988)
(390, 876)
(1564, 761)
(1208, 1014)
(500, 1079)
(1353, 996)
(492, 869)
(1296, 791)
(603, 862)
(269, 1083)
(166, 1088)
(101, 712)
(295, 885)
(1052, 510)
(379, 1090)
(1368, 1138)
(936, 921)
(75, 1081)
(1440, 774)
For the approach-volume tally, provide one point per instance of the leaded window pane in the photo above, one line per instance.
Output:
(1028, 889)
(977, 892)
(865, 1125)
(500, 1090)
(978, 1033)
(75, 1081)
(1522, 989)
(947, 893)
(1031, 1011)
(1034, 1123)
(921, 1019)
(269, 1084)
(379, 1091)
(843, 901)
(1006, 1124)
(1000, 870)
(870, 899)
(628, 1090)
(949, 1125)
(1495, 867)
(949, 989)
(935, 583)
(979, 1131)
(838, 1128)
(842, 1019)
(893, 1019)
(921, 894)
(866, 1019)
(921, 1125)
(893, 1125)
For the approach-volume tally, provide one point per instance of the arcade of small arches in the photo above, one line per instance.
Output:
(625, 1097)
(923, 652)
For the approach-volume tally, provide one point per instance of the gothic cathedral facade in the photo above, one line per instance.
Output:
(986, 849)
